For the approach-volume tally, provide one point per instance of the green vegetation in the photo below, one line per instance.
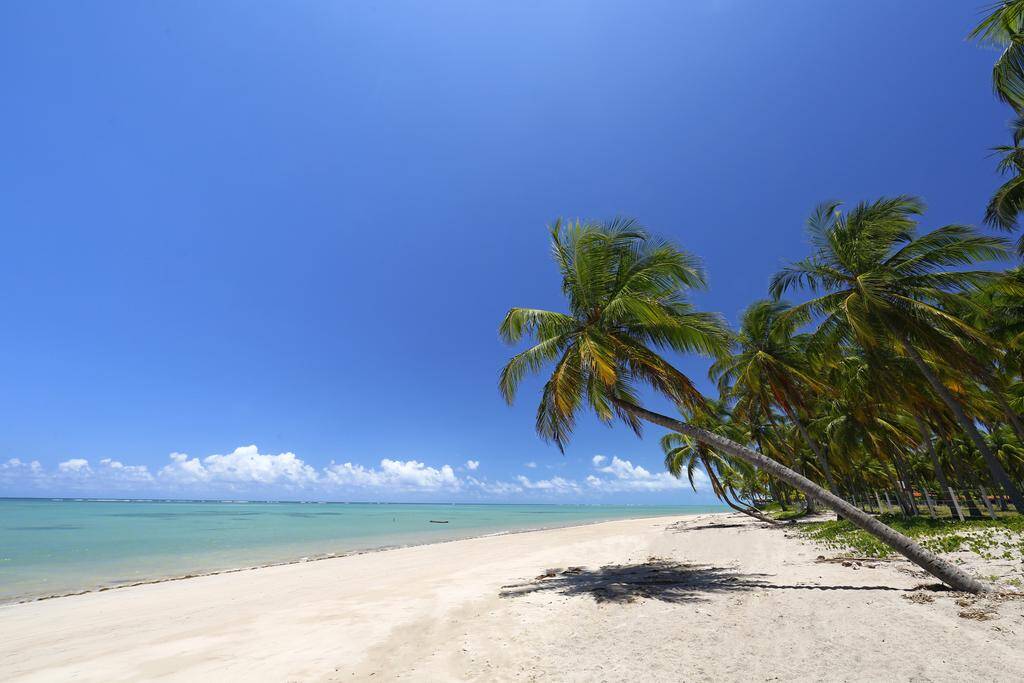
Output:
(1001, 538)
(900, 372)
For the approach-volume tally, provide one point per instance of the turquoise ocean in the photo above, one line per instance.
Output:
(55, 547)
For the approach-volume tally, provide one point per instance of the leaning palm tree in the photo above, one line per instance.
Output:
(626, 302)
(886, 289)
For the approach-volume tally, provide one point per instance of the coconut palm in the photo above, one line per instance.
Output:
(862, 417)
(626, 303)
(996, 310)
(884, 289)
(685, 453)
(767, 368)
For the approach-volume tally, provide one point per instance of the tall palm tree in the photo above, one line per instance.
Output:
(626, 302)
(884, 288)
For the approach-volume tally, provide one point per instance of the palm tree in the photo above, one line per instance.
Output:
(1004, 27)
(766, 369)
(885, 288)
(996, 311)
(625, 293)
(862, 416)
(682, 452)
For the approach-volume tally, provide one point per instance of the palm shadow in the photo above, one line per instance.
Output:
(657, 579)
(680, 527)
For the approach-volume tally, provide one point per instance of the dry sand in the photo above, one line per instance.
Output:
(710, 597)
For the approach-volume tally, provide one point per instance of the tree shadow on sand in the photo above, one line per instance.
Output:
(681, 527)
(656, 579)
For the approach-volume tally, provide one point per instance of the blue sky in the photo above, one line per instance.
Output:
(298, 225)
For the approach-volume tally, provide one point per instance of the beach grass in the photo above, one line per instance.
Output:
(1001, 538)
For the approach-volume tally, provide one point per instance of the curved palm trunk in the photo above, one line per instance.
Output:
(999, 475)
(719, 489)
(930, 562)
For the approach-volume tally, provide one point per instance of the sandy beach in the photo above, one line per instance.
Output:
(707, 597)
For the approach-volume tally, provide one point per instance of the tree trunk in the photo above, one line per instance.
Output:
(816, 449)
(810, 508)
(716, 485)
(949, 574)
(749, 511)
(965, 477)
(904, 496)
(940, 474)
(999, 475)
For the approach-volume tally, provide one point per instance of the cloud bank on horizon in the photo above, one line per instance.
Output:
(246, 471)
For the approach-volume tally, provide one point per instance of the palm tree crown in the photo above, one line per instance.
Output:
(768, 366)
(625, 292)
(882, 281)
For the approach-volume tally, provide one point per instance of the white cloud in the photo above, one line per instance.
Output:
(495, 488)
(76, 465)
(244, 465)
(246, 469)
(555, 484)
(19, 464)
(532, 465)
(118, 470)
(393, 474)
(243, 468)
(625, 476)
(75, 474)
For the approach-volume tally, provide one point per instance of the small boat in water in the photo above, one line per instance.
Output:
(439, 521)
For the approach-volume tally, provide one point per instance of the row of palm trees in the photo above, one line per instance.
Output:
(898, 353)
(904, 367)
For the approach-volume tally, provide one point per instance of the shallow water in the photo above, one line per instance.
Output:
(53, 547)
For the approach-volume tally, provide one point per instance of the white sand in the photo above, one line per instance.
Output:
(762, 609)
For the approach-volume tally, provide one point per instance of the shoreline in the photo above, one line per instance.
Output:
(327, 556)
(708, 596)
